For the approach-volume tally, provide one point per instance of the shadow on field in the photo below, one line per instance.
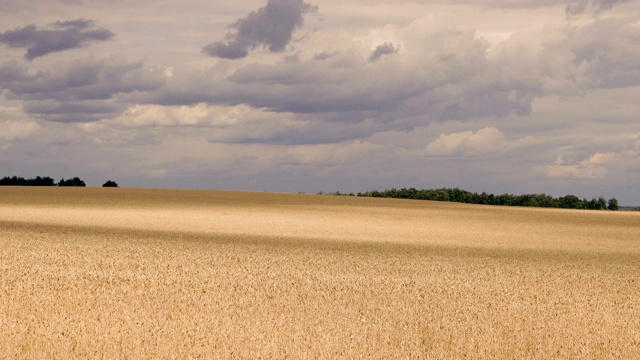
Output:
(117, 235)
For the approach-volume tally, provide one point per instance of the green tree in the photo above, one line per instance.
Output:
(613, 204)
(569, 202)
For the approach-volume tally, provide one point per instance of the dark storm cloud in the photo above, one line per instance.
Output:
(271, 26)
(384, 49)
(65, 35)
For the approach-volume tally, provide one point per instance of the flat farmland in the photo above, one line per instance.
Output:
(136, 273)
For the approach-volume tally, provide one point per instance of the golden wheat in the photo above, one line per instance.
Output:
(129, 273)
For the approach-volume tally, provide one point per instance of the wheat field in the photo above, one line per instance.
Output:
(181, 274)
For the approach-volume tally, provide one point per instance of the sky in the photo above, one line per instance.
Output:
(509, 96)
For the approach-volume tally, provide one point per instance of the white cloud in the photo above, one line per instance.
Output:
(17, 130)
(200, 115)
(467, 143)
(14, 126)
(335, 154)
(594, 167)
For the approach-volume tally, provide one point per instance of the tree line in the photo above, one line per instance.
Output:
(467, 197)
(48, 181)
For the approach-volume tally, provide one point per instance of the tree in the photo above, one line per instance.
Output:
(463, 196)
(76, 181)
(20, 181)
(110, 183)
(569, 202)
(41, 181)
(13, 181)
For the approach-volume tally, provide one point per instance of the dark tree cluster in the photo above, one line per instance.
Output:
(20, 181)
(529, 200)
(71, 182)
(40, 181)
(47, 181)
(110, 183)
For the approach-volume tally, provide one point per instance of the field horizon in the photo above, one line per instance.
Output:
(122, 272)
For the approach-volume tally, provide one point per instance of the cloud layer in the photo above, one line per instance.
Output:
(79, 90)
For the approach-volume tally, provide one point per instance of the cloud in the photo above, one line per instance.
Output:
(594, 167)
(32, 5)
(323, 56)
(87, 79)
(569, 60)
(12, 71)
(484, 141)
(334, 93)
(436, 63)
(16, 130)
(338, 89)
(572, 7)
(65, 35)
(608, 52)
(14, 127)
(332, 155)
(581, 6)
(384, 49)
(271, 26)
(201, 115)
(443, 72)
(81, 90)
(73, 111)
(77, 24)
